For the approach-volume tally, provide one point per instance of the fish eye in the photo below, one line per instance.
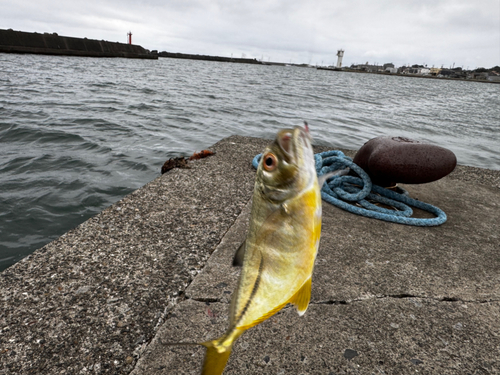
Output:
(270, 162)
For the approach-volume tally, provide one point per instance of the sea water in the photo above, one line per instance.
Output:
(77, 134)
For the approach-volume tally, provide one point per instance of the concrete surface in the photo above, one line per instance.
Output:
(155, 268)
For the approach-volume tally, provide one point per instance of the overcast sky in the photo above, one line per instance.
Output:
(432, 32)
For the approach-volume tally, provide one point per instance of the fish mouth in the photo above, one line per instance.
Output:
(292, 141)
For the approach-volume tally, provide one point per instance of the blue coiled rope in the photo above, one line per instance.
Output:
(341, 189)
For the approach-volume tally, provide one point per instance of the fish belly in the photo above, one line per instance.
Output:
(280, 261)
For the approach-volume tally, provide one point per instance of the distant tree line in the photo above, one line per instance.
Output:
(484, 70)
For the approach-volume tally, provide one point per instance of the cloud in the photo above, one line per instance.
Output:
(435, 32)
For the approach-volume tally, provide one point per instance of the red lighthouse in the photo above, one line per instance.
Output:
(129, 34)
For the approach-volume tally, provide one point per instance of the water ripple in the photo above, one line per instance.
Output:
(77, 134)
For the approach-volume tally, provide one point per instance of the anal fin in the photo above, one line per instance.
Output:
(302, 297)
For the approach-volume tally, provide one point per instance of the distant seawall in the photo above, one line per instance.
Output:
(207, 58)
(52, 44)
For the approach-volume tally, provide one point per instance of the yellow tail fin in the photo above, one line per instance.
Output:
(218, 352)
(215, 359)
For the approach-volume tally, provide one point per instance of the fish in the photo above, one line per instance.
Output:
(279, 252)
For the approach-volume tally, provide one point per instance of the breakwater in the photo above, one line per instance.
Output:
(12, 41)
(187, 56)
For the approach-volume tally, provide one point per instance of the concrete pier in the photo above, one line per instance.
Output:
(156, 267)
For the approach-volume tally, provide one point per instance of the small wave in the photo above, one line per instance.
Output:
(4, 260)
(16, 165)
(131, 165)
(143, 107)
(147, 91)
(25, 135)
(103, 84)
(83, 121)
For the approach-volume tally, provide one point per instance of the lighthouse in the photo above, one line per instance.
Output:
(129, 35)
(340, 55)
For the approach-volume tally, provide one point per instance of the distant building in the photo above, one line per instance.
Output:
(445, 73)
(368, 68)
(494, 77)
(435, 71)
(415, 69)
(389, 67)
(459, 73)
(452, 73)
(485, 76)
(403, 70)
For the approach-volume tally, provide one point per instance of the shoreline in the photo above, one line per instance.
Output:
(347, 70)
(21, 42)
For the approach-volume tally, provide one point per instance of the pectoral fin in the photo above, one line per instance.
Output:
(240, 253)
(302, 297)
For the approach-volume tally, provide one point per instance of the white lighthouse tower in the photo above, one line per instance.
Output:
(340, 55)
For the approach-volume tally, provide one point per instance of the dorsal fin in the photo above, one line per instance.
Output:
(239, 255)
